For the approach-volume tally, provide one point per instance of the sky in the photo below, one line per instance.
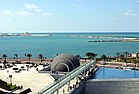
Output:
(40, 16)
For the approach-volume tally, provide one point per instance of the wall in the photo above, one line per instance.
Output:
(79, 90)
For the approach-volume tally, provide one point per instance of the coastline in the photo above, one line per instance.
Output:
(26, 60)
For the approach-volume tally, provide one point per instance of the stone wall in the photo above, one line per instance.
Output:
(112, 86)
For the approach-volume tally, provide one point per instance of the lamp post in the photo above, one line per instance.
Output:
(10, 76)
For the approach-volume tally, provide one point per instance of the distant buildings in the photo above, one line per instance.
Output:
(23, 34)
(26, 34)
(15, 34)
(6, 34)
(135, 55)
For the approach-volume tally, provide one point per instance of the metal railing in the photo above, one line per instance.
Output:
(50, 89)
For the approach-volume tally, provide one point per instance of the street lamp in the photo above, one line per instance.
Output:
(10, 76)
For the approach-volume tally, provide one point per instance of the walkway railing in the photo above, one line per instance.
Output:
(50, 89)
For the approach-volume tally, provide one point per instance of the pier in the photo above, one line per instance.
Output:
(120, 40)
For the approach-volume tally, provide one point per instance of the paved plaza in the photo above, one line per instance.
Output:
(27, 78)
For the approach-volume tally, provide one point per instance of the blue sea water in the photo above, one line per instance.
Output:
(74, 44)
(108, 73)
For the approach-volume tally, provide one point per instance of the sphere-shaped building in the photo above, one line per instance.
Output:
(64, 63)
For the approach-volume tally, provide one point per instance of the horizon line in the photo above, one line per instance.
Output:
(73, 32)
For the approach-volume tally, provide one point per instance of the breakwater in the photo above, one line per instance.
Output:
(120, 40)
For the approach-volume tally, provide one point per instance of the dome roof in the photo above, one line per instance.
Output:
(64, 63)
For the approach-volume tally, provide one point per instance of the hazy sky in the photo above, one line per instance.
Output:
(69, 15)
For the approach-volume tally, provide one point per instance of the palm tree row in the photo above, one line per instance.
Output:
(40, 56)
(122, 55)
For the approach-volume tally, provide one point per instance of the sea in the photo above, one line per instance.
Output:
(72, 43)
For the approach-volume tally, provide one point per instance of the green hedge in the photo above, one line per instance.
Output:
(7, 86)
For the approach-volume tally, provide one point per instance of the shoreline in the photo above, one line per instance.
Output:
(25, 60)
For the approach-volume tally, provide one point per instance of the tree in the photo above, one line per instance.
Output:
(29, 56)
(122, 56)
(16, 56)
(78, 56)
(104, 57)
(40, 56)
(117, 55)
(91, 55)
(5, 57)
(126, 54)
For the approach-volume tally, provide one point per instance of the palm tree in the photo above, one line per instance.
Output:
(117, 55)
(104, 57)
(5, 57)
(122, 56)
(91, 55)
(16, 56)
(126, 54)
(29, 56)
(40, 56)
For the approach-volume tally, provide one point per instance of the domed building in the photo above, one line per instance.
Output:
(64, 63)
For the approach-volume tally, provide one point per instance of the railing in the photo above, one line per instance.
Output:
(50, 89)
